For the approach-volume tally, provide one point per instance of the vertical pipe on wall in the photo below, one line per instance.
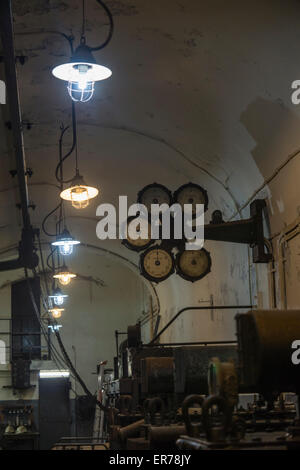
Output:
(7, 35)
(151, 317)
(281, 269)
(272, 285)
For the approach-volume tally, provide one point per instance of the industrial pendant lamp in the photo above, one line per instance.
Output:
(56, 312)
(58, 297)
(82, 71)
(64, 276)
(65, 243)
(79, 193)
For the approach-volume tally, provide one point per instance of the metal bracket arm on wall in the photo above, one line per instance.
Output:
(249, 231)
(27, 255)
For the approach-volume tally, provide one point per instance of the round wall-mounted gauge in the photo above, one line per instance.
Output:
(193, 265)
(139, 244)
(156, 264)
(154, 194)
(191, 193)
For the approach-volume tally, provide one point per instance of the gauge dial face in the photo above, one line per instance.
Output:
(157, 264)
(191, 194)
(193, 265)
(154, 194)
(140, 243)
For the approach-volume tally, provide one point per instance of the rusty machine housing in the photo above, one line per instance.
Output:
(195, 397)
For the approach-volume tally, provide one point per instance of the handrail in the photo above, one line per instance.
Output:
(193, 343)
(209, 307)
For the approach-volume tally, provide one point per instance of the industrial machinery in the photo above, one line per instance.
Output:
(161, 257)
(209, 396)
(264, 365)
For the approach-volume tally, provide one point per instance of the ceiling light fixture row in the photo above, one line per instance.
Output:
(80, 73)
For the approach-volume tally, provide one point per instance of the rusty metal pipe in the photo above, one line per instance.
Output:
(132, 430)
(165, 434)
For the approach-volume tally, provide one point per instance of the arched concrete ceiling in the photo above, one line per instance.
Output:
(200, 91)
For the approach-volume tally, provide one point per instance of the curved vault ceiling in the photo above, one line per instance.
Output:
(199, 91)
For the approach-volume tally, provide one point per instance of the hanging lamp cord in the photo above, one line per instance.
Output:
(83, 20)
(64, 158)
(111, 27)
(74, 126)
(59, 175)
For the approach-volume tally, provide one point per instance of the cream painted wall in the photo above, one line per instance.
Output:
(227, 284)
(91, 317)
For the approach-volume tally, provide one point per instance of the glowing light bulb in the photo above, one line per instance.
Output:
(81, 91)
(81, 73)
(58, 297)
(79, 194)
(80, 197)
(56, 312)
(59, 300)
(64, 277)
(82, 76)
(66, 249)
(65, 243)
(82, 83)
